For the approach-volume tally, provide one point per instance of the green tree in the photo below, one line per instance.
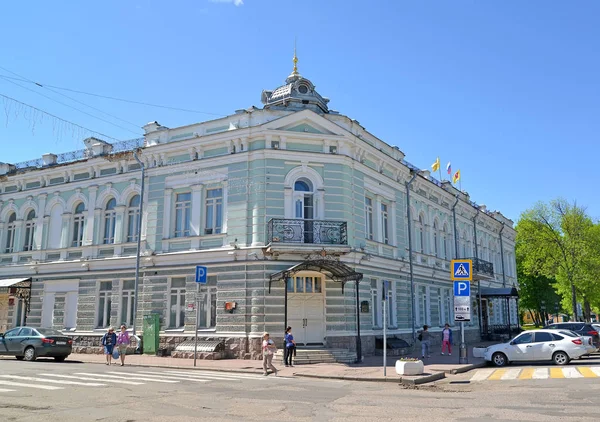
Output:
(556, 241)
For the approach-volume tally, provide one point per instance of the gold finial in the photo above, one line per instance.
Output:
(295, 71)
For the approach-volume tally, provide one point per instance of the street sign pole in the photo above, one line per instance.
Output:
(461, 274)
(197, 319)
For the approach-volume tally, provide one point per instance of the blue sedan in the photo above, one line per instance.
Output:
(27, 343)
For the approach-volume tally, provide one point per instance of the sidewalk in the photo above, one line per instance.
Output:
(371, 369)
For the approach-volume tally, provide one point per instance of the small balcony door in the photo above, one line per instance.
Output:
(304, 207)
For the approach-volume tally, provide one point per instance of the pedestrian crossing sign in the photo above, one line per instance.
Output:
(460, 269)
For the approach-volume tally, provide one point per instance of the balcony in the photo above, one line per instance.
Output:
(482, 270)
(287, 234)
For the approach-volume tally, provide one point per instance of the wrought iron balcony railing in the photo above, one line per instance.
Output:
(319, 232)
(482, 267)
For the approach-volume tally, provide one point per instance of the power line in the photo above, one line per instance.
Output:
(56, 117)
(118, 99)
(70, 106)
(66, 96)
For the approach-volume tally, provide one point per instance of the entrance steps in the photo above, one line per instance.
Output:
(309, 355)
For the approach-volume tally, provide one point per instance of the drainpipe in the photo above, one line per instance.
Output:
(139, 244)
(410, 260)
(455, 232)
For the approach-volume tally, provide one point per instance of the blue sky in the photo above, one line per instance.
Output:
(509, 91)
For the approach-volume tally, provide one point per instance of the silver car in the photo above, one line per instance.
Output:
(28, 343)
(559, 346)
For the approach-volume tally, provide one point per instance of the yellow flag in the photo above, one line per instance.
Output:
(456, 177)
(436, 166)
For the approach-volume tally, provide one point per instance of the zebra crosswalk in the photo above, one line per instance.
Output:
(17, 383)
(533, 373)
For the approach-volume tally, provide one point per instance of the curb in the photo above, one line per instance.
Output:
(436, 376)
(348, 378)
(468, 368)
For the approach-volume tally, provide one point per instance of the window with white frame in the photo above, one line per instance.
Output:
(11, 228)
(133, 218)
(207, 310)
(214, 211)
(127, 302)
(376, 304)
(110, 219)
(183, 209)
(421, 234)
(440, 308)
(423, 304)
(435, 239)
(78, 220)
(369, 217)
(392, 319)
(177, 303)
(104, 304)
(308, 285)
(385, 224)
(446, 243)
(29, 231)
(448, 307)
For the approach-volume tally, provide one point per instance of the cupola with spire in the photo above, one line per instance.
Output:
(298, 93)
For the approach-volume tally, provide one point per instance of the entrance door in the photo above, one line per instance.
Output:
(306, 309)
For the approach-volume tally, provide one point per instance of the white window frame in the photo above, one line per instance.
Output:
(77, 225)
(209, 295)
(29, 231)
(445, 240)
(103, 312)
(436, 247)
(215, 225)
(11, 231)
(385, 229)
(369, 218)
(109, 223)
(376, 309)
(128, 296)
(180, 294)
(425, 307)
(392, 304)
(133, 215)
(183, 210)
(421, 233)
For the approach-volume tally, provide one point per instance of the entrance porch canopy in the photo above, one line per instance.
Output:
(502, 292)
(336, 270)
(22, 283)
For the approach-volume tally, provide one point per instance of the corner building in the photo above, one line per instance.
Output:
(289, 206)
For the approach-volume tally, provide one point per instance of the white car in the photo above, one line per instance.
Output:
(559, 346)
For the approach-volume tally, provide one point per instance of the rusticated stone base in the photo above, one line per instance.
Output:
(201, 355)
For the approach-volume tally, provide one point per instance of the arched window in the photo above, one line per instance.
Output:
(133, 217)
(304, 207)
(421, 234)
(10, 233)
(78, 219)
(29, 231)
(110, 218)
(446, 242)
(435, 239)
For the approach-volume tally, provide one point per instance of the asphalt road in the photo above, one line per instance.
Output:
(42, 391)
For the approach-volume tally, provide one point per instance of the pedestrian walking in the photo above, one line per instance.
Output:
(269, 349)
(447, 339)
(109, 340)
(290, 347)
(122, 343)
(425, 338)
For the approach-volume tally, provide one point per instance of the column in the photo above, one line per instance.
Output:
(39, 224)
(196, 219)
(18, 240)
(64, 238)
(44, 242)
(392, 225)
(88, 238)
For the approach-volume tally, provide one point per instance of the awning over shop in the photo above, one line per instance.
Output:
(16, 282)
(504, 292)
(336, 270)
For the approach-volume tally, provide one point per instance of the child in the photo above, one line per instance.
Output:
(447, 339)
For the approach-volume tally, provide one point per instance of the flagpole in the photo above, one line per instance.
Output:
(440, 171)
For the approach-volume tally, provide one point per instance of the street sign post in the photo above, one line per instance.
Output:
(201, 272)
(461, 272)
(386, 286)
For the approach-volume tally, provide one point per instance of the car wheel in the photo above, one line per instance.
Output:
(499, 359)
(29, 354)
(60, 358)
(19, 357)
(560, 358)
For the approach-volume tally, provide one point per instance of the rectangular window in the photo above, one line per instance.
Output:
(183, 208)
(423, 315)
(29, 232)
(440, 308)
(384, 224)
(133, 216)
(77, 230)
(369, 217)
(208, 307)
(104, 304)
(214, 211)
(376, 304)
(127, 302)
(391, 305)
(177, 303)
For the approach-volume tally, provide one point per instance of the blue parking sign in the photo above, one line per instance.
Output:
(462, 288)
(201, 274)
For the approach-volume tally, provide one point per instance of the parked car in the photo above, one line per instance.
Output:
(27, 343)
(581, 328)
(559, 346)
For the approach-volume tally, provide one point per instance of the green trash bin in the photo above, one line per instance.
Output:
(151, 329)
